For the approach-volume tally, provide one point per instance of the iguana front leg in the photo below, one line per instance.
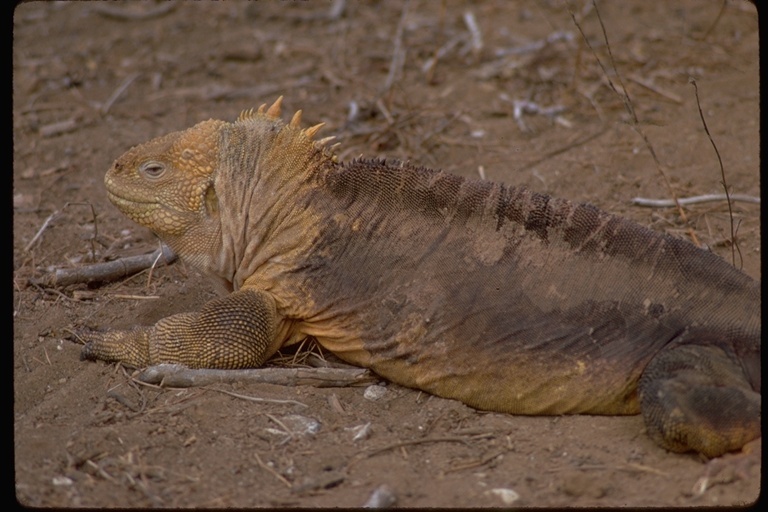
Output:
(697, 398)
(236, 331)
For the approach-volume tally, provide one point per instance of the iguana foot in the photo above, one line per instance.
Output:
(235, 331)
(697, 398)
(130, 347)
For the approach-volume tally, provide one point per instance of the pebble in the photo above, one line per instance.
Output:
(382, 497)
(374, 392)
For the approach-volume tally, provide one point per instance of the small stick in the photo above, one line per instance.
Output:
(104, 272)
(661, 203)
(714, 23)
(428, 68)
(57, 128)
(655, 88)
(137, 297)
(287, 431)
(429, 65)
(624, 95)
(476, 463)
(563, 149)
(734, 245)
(474, 30)
(602, 467)
(385, 112)
(535, 46)
(178, 376)
(257, 399)
(336, 9)
(100, 471)
(123, 86)
(55, 214)
(122, 400)
(272, 471)
(39, 233)
(402, 444)
(95, 225)
(159, 253)
(398, 56)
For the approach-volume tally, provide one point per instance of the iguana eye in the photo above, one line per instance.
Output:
(153, 170)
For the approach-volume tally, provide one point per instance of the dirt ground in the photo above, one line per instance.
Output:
(442, 83)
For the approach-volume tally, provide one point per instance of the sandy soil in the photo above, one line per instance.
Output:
(91, 79)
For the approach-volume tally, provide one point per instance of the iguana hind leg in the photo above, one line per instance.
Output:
(235, 331)
(696, 398)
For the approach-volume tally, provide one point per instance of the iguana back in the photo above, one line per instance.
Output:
(474, 285)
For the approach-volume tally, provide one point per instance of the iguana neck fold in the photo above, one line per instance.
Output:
(265, 166)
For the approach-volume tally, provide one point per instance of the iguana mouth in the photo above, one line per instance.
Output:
(126, 201)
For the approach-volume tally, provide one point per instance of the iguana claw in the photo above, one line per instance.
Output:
(130, 347)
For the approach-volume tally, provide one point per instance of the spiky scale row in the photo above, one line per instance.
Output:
(296, 119)
(245, 114)
(274, 111)
(312, 130)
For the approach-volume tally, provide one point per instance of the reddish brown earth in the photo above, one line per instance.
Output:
(91, 79)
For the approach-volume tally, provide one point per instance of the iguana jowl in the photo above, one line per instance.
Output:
(497, 296)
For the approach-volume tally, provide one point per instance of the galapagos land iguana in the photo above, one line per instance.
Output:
(497, 296)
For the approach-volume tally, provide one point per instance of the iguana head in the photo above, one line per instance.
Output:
(166, 184)
(177, 184)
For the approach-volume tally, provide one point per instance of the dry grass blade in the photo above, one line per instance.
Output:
(56, 214)
(475, 464)
(401, 444)
(271, 471)
(734, 245)
(567, 147)
(624, 95)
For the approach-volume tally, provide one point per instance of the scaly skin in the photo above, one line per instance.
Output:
(497, 296)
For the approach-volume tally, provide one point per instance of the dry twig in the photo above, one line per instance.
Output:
(648, 84)
(563, 149)
(662, 203)
(624, 95)
(398, 54)
(257, 399)
(477, 463)
(45, 225)
(474, 31)
(734, 244)
(57, 128)
(401, 444)
(120, 90)
(271, 471)
(181, 377)
(55, 215)
(106, 271)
